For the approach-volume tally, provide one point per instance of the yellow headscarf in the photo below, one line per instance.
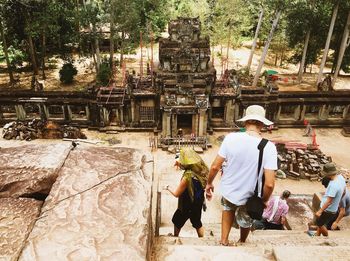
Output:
(194, 166)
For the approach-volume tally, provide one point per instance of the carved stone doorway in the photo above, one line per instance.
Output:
(184, 122)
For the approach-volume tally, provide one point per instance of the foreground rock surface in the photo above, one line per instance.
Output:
(30, 169)
(17, 219)
(98, 209)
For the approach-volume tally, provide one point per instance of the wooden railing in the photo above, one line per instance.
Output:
(179, 142)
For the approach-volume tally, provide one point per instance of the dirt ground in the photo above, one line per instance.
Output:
(330, 141)
(238, 58)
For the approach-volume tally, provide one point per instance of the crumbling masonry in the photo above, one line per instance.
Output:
(182, 93)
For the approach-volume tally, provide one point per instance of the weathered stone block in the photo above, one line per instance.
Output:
(17, 217)
(316, 201)
(98, 209)
(30, 169)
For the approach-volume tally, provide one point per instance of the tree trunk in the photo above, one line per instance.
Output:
(344, 44)
(255, 40)
(306, 46)
(326, 49)
(141, 55)
(122, 49)
(303, 59)
(222, 60)
(32, 55)
(228, 47)
(4, 44)
(77, 18)
(93, 56)
(111, 38)
(282, 57)
(276, 59)
(97, 48)
(266, 48)
(43, 55)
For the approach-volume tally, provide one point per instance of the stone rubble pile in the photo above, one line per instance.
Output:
(299, 162)
(37, 129)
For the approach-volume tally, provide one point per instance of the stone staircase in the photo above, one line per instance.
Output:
(282, 245)
(285, 245)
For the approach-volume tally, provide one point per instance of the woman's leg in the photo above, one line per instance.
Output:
(176, 231)
(200, 232)
(244, 232)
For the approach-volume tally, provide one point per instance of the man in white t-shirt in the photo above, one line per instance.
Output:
(239, 152)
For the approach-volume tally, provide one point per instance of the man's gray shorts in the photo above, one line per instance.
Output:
(242, 219)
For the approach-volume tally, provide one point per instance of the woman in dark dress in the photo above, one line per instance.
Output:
(190, 191)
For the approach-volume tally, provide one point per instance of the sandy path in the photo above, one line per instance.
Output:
(331, 142)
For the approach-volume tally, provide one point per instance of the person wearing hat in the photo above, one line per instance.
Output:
(331, 199)
(239, 151)
(343, 210)
(190, 191)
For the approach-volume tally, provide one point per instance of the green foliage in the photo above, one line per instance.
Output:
(301, 17)
(68, 26)
(16, 56)
(346, 61)
(104, 74)
(67, 73)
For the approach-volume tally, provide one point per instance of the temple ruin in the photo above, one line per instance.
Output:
(184, 93)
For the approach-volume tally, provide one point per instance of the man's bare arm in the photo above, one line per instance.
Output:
(215, 167)
(340, 216)
(269, 184)
(324, 207)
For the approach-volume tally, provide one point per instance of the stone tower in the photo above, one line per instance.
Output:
(185, 78)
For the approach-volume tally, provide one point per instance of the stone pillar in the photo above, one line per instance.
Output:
(93, 114)
(236, 113)
(132, 110)
(202, 127)
(87, 112)
(278, 113)
(173, 125)
(44, 112)
(121, 115)
(323, 112)
(345, 112)
(229, 112)
(194, 119)
(299, 113)
(116, 112)
(105, 116)
(166, 131)
(205, 123)
(67, 113)
(20, 112)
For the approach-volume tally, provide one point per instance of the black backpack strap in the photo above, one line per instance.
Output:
(261, 147)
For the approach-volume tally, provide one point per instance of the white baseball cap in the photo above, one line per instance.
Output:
(256, 112)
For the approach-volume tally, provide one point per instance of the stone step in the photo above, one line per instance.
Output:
(283, 245)
(190, 252)
(267, 238)
(306, 253)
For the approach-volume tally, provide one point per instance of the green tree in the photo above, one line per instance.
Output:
(306, 31)
(4, 45)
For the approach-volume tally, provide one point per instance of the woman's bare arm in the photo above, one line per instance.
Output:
(179, 190)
